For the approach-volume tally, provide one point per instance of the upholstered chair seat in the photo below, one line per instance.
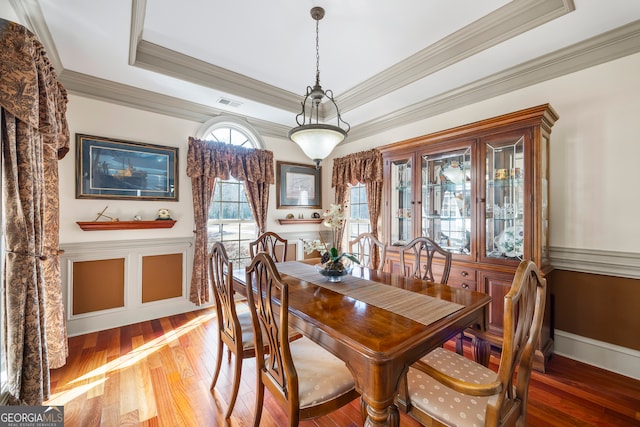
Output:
(443, 403)
(321, 375)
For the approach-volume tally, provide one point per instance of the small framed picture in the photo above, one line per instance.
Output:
(298, 185)
(108, 168)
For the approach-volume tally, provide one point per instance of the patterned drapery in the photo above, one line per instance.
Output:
(207, 161)
(34, 137)
(364, 167)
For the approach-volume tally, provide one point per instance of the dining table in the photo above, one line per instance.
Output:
(377, 323)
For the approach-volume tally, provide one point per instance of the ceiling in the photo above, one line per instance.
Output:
(387, 63)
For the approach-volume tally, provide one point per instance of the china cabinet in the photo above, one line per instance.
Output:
(480, 191)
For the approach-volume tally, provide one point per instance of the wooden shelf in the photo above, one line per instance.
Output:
(125, 225)
(300, 221)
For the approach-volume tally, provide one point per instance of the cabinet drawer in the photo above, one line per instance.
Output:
(462, 273)
(462, 277)
(461, 283)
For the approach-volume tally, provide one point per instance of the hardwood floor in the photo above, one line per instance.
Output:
(158, 373)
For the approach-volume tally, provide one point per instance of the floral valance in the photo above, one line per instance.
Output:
(220, 160)
(364, 167)
(29, 88)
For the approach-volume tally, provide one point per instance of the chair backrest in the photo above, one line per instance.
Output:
(372, 253)
(277, 370)
(270, 243)
(523, 316)
(220, 271)
(425, 251)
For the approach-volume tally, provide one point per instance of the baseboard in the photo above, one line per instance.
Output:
(119, 318)
(607, 356)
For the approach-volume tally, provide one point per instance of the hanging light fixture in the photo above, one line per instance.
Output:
(316, 139)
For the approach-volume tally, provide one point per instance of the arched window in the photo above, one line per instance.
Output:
(230, 218)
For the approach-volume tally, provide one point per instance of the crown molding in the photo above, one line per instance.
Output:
(137, 26)
(129, 96)
(156, 58)
(605, 47)
(602, 48)
(514, 18)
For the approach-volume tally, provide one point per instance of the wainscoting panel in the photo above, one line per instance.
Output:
(596, 295)
(98, 285)
(111, 284)
(161, 277)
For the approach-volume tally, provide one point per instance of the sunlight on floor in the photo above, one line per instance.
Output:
(97, 377)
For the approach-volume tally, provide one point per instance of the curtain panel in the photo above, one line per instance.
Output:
(35, 136)
(365, 167)
(207, 161)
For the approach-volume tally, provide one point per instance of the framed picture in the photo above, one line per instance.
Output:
(113, 169)
(298, 185)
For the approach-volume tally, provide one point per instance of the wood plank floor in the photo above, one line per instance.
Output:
(158, 373)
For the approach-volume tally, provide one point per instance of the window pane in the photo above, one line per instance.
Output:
(230, 218)
(358, 221)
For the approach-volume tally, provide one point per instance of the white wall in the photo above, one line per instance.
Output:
(7, 12)
(92, 117)
(594, 151)
(594, 201)
(88, 116)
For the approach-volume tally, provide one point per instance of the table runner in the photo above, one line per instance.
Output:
(417, 307)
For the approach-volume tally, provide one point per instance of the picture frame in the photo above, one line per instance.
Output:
(298, 185)
(108, 168)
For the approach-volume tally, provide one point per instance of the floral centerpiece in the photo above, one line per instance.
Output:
(333, 263)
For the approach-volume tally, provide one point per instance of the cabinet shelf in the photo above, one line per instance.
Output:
(300, 221)
(125, 225)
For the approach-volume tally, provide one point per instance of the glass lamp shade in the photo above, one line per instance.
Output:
(317, 141)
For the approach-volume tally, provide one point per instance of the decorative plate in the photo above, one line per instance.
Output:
(454, 173)
(510, 241)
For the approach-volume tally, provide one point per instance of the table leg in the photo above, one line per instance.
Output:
(388, 416)
(481, 350)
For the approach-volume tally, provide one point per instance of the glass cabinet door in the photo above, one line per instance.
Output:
(505, 198)
(401, 201)
(446, 199)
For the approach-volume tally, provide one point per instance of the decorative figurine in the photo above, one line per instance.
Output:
(163, 214)
(102, 214)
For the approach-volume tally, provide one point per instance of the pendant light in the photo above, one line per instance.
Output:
(317, 140)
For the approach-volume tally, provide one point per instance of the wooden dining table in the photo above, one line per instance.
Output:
(377, 323)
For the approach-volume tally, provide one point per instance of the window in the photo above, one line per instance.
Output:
(230, 218)
(358, 221)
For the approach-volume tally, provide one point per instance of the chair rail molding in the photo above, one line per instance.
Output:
(608, 263)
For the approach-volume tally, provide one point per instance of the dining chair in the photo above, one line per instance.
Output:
(305, 379)
(425, 251)
(271, 243)
(444, 388)
(369, 248)
(235, 330)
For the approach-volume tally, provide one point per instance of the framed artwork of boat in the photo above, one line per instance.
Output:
(108, 168)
